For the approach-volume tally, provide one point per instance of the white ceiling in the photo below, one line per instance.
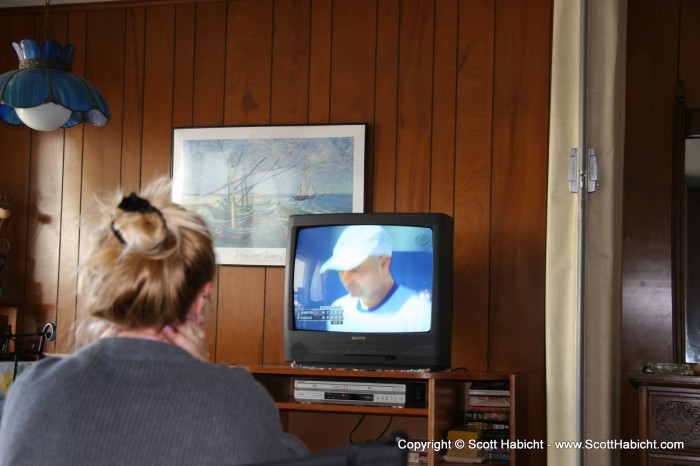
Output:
(15, 3)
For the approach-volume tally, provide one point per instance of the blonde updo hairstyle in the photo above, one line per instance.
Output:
(146, 261)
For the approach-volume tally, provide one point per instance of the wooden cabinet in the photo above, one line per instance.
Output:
(323, 426)
(669, 411)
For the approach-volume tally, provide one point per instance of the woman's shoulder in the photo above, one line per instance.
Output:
(232, 376)
(36, 373)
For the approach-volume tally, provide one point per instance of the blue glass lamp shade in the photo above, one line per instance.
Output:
(44, 94)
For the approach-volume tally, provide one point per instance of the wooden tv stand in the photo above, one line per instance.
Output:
(323, 426)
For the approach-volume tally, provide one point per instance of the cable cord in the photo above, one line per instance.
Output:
(359, 422)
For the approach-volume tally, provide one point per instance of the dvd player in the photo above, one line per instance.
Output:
(360, 393)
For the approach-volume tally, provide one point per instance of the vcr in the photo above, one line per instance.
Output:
(409, 394)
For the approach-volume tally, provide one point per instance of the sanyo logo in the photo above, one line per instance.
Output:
(357, 337)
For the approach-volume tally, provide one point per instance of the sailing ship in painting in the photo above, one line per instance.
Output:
(242, 218)
(304, 193)
(238, 213)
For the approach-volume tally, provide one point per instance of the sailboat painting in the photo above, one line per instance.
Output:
(246, 181)
(304, 193)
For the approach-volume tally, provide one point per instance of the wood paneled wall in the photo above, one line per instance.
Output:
(654, 63)
(456, 96)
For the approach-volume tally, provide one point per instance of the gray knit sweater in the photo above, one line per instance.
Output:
(127, 401)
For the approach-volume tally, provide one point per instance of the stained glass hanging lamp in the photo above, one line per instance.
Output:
(43, 93)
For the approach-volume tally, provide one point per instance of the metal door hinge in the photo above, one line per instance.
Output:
(588, 176)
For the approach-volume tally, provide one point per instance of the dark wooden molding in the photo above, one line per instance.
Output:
(644, 379)
(678, 224)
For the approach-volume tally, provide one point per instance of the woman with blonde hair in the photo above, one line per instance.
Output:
(142, 391)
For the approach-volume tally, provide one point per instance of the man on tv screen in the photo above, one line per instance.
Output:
(375, 302)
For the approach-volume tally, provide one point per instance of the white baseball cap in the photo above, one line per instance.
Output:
(355, 244)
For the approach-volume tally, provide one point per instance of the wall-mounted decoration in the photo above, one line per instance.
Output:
(247, 181)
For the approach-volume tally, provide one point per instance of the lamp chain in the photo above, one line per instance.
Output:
(47, 7)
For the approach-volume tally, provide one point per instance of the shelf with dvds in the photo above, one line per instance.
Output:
(323, 425)
(487, 428)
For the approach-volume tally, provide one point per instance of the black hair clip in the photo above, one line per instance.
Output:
(118, 234)
(134, 203)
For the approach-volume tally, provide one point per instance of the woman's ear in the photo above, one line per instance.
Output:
(201, 302)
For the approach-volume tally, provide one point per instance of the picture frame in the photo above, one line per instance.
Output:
(246, 181)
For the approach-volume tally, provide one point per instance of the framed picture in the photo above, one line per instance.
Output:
(246, 181)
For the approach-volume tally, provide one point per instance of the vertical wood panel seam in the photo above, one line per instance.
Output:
(330, 66)
(28, 245)
(398, 99)
(678, 38)
(217, 281)
(223, 81)
(172, 89)
(308, 70)
(261, 350)
(456, 114)
(432, 114)
(489, 320)
(60, 232)
(194, 62)
(143, 90)
(368, 202)
(272, 60)
(330, 69)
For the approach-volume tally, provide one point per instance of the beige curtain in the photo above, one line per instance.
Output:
(560, 300)
(605, 100)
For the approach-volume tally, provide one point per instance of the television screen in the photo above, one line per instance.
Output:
(363, 278)
(369, 290)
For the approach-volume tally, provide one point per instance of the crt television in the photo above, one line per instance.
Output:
(340, 308)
